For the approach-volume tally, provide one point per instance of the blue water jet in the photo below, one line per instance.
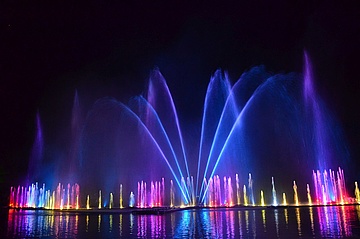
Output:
(37, 153)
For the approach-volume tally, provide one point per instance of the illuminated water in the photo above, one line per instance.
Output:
(303, 222)
(265, 128)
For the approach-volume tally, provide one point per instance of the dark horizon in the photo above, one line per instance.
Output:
(48, 52)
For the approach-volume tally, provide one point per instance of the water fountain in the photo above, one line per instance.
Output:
(252, 130)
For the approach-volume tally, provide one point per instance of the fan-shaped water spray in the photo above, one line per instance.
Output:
(264, 127)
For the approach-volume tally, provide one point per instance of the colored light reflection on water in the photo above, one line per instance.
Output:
(315, 222)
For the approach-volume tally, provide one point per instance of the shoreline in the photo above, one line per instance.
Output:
(165, 210)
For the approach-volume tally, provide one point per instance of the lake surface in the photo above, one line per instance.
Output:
(302, 222)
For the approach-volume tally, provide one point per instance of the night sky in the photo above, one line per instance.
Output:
(50, 50)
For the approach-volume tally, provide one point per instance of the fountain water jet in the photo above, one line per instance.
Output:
(273, 192)
(37, 152)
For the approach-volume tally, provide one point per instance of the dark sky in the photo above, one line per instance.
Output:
(47, 51)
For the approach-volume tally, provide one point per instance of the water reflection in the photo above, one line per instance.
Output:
(339, 221)
(358, 211)
(286, 216)
(240, 223)
(120, 225)
(335, 221)
(298, 220)
(263, 215)
(142, 226)
(311, 214)
(41, 224)
(87, 223)
(253, 224)
(99, 223)
(276, 215)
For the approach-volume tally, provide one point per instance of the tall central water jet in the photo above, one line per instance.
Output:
(215, 100)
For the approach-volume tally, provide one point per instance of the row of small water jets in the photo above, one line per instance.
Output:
(329, 189)
(34, 196)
